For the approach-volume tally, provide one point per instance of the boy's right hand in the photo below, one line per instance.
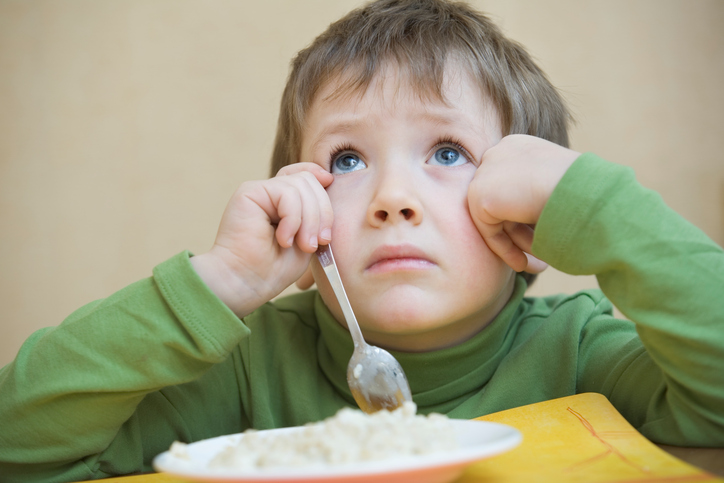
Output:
(267, 235)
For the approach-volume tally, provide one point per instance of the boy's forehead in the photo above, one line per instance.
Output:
(337, 107)
(394, 87)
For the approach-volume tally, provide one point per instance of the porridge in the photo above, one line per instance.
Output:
(350, 436)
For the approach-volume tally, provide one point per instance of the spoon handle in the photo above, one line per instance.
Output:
(326, 259)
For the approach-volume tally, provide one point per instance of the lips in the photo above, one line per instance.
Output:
(398, 257)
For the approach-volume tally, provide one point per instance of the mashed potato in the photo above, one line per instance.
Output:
(350, 436)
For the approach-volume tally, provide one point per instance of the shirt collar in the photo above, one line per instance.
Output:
(438, 379)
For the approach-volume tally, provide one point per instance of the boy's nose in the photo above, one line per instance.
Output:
(407, 214)
(394, 201)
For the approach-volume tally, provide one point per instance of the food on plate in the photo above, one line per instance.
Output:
(350, 436)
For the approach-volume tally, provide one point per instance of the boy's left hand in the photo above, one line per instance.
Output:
(510, 188)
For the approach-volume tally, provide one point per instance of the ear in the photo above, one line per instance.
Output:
(535, 265)
(306, 280)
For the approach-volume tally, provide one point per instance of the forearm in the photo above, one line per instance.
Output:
(72, 387)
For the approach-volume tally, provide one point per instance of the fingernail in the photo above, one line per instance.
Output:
(290, 242)
(326, 234)
(313, 241)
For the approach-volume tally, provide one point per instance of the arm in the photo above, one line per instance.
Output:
(592, 217)
(69, 403)
(72, 387)
(662, 273)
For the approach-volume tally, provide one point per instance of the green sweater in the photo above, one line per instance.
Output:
(165, 360)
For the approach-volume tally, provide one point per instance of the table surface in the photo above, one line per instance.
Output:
(572, 439)
(708, 459)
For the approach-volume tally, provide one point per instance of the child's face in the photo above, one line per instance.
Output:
(417, 272)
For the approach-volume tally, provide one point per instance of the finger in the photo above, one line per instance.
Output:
(306, 280)
(308, 235)
(324, 177)
(503, 246)
(300, 206)
(535, 265)
(296, 203)
(520, 234)
(321, 180)
(289, 212)
(325, 215)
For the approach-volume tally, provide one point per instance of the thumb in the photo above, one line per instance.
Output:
(535, 265)
(306, 280)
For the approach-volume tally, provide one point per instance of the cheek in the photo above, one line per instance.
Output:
(472, 254)
(346, 226)
(449, 207)
(337, 191)
(349, 205)
(467, 240)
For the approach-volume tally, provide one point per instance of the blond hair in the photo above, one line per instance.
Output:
(420, 36)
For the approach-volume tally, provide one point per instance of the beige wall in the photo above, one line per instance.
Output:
(125, 125)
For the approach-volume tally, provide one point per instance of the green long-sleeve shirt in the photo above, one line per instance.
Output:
(164, 359)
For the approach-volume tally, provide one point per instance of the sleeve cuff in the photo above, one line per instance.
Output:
(207, 319)
(569, 221)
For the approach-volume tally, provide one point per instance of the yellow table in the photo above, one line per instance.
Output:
(572, 439)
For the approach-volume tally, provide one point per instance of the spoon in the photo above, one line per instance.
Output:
(375, 378)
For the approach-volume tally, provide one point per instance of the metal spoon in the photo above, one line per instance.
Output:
(375, 378)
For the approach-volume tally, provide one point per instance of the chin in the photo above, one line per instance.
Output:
(401, 321)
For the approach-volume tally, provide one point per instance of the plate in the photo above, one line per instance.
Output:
(477, 440)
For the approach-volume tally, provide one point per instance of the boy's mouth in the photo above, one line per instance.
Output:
(405, 257)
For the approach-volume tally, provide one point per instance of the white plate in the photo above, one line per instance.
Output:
(477, 440)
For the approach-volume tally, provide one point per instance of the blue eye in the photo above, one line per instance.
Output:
(448, 156)
(346, 163)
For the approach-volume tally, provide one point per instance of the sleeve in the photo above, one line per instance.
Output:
(99, 393)
(662, 273)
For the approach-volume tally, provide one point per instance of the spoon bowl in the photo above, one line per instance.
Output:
(374, 376)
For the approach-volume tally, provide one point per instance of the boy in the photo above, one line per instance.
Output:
(410, 138)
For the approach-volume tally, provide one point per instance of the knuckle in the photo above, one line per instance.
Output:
(287, 170)
(309, 177)
(248, 187)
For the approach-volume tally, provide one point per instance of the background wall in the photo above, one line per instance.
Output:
(125, 125)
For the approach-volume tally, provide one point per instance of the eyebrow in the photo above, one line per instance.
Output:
(335, 129)
(439, 119)
(452, 120)
(338, 128)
